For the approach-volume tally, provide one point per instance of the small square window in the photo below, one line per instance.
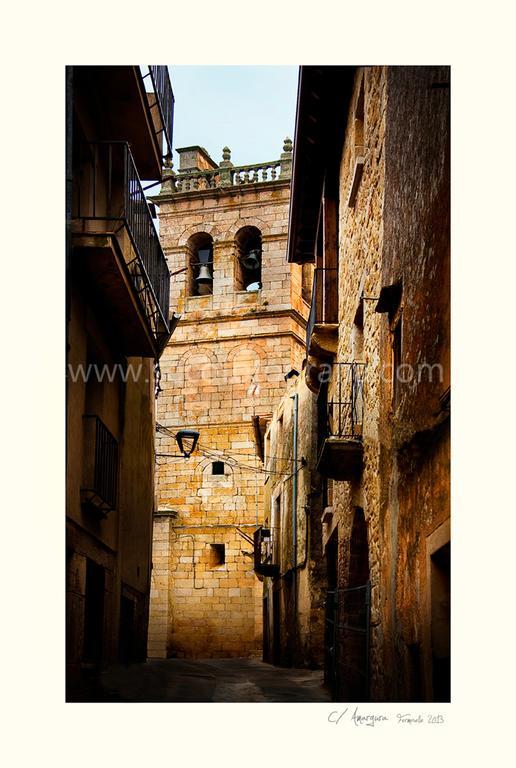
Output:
(217, 555)
(217, 468)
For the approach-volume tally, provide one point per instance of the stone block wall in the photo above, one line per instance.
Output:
(360, 249)
(224, 365)
(396, 231)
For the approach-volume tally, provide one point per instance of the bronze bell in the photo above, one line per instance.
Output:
(204, 280)
(252, 259)
(204, 275)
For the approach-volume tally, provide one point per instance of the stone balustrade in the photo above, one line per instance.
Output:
(253, 174)
(188, 182)
(227, 174)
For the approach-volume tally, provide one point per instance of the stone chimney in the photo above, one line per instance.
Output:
(193, 159)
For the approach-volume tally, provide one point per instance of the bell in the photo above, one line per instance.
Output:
(204, 275)
(204, 281)
(252, 259)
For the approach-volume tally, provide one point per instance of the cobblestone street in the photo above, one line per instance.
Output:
(217, 680)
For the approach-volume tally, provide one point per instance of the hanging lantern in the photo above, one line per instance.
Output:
(187, 441)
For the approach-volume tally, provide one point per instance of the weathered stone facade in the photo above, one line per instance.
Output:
(222, 376)
(382, 450)
(293, 602)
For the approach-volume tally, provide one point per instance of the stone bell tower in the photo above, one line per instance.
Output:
(243, 317)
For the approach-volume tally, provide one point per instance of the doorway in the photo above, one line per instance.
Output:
(440, 622)
(93, 613)
(331, 614)
(126, 644)
(354, 611)
(276, 648)
(266, 631)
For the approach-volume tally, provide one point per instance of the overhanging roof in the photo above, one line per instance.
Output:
(323, 98)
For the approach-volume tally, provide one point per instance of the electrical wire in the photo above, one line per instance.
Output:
(169, 433)
(233, 463)
(249, 455)
(257, 470)
(216, 453)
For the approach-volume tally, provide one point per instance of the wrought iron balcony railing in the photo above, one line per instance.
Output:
(345, 410)
(164, 100)
(100, 466)
(109, 191)
(266, 552)
(340, 423)
(324, 306)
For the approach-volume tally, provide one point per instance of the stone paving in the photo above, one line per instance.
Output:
(204, 680)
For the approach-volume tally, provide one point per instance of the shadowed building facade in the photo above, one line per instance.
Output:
(362, 556)
(119, 122)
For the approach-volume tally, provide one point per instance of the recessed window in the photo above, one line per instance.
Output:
(217, 468)
(217, 555)
(357, 333)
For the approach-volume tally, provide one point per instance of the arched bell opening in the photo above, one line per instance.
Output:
(199, 265)
(248, 259)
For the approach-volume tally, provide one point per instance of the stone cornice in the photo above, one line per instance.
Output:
(200, 194)
(267, 314)
(173, 342)
(221, 427)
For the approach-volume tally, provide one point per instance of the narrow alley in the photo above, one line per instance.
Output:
(217, 680)
(259, 389)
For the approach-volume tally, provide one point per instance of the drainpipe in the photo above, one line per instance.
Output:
(295, 398)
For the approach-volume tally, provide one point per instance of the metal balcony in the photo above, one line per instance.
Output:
(163, 103)
(133, 103)
(341, 423)
(99, 488)
(265, 557)
(115, 239)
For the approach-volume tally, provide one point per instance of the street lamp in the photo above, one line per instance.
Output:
(187, 441)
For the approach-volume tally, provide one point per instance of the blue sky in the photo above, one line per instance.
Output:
(248, 108)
